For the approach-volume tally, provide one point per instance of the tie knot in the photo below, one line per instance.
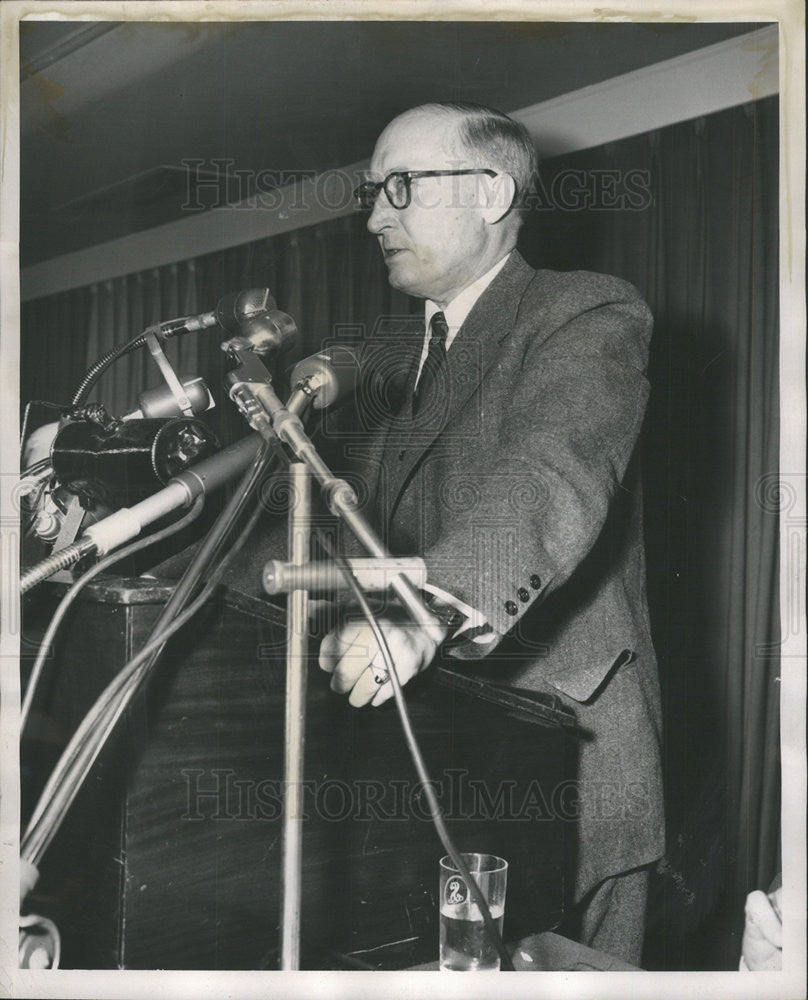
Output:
(439, 327)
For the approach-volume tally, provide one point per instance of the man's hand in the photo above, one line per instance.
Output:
(351, 654)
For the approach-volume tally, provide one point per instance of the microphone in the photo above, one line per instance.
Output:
(203, 477)
(328, 376)
(162, 401)
(271, 332)
(256, 322)
(232, 310)
(313, 375)
(214, 471)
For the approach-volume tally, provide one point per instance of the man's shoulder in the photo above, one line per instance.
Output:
(581, 285)
(557, 296)
(525, 298)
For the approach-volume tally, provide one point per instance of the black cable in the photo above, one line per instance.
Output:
(97, 725)
(79, 751)
(350, 960)
(171, 328)
(43, 463)
(263, 463)
(417, 758)
(75, 750)
(101, 364)
(71, 595)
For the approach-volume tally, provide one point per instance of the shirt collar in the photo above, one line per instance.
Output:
(461, 305)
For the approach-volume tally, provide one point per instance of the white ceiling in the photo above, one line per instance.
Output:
(110, 111)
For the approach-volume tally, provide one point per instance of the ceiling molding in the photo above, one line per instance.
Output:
(39, 59)
(702, 82)
(121, 55)
(320, 199)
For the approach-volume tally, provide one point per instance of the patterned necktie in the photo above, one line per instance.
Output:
(430, 383)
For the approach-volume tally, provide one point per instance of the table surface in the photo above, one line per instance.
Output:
(549, 952)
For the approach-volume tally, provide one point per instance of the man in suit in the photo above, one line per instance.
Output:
(509, 466)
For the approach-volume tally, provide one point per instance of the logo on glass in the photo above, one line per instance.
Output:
(456, 891)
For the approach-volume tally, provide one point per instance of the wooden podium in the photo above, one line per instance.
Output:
(170, 857)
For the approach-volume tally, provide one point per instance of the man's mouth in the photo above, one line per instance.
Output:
(391, 251)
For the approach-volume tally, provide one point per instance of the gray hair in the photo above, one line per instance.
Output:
(504, 142)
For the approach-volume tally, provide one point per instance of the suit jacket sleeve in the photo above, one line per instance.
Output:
(562, 410)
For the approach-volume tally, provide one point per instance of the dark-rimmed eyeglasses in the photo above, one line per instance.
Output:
(398, 185)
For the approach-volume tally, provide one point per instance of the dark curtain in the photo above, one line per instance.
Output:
(689, 215)
(330, 278)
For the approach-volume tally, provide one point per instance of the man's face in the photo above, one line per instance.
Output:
(440, 242)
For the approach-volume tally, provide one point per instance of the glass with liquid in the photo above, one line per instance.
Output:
(465, 944)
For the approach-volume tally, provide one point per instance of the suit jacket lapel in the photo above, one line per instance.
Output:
(474, 350)
(396, 386)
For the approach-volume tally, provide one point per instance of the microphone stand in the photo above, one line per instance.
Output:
(250, 387)
(297, 643)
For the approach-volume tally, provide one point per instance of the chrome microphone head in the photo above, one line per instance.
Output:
(234, 309)
(329, 375)
(272, 332)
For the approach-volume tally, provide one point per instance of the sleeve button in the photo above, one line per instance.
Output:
(523, 594)
(535, 582)
(510, 608)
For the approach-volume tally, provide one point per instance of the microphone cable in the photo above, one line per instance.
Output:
(169, 328)
(67, 600)
(88, 740)
(94, 730)
(417, 757)
(86, 743)
(37, 467)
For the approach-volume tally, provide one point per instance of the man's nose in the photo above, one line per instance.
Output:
(382, 214)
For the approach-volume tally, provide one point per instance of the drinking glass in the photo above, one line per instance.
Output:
(465, 944)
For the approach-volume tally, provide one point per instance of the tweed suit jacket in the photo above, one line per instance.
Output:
(519, 488)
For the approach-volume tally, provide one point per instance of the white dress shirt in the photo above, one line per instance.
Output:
(457, 310)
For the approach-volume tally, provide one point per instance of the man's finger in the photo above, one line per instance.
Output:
(347, 673)
(407, 666)
(350, 640)
(330, 651)
(365, 688)
(383, 694)
(353, 662)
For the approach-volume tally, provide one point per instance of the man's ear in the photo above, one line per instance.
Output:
(500, 193)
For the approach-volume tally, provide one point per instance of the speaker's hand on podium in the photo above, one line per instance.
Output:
(352, 656)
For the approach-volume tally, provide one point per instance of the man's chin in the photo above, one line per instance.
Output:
(401, 278)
